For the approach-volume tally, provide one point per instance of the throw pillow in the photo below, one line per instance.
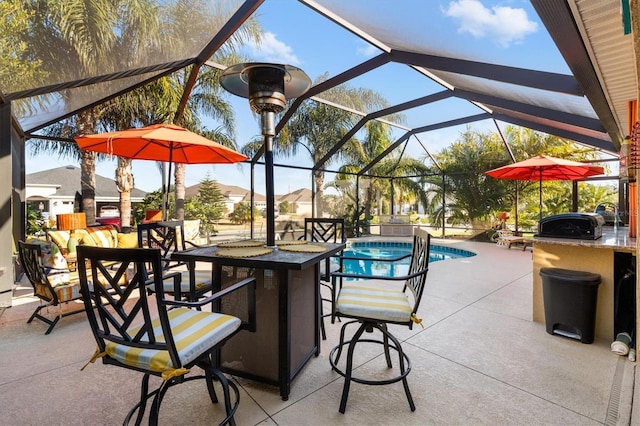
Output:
(51, 255)
(127, 240)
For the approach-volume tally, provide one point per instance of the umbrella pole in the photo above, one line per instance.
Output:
(540, 197)
(516, 205)
(163, 171)
(165, 201)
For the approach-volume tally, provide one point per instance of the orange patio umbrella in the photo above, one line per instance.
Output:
(160, 142)
(542, 168)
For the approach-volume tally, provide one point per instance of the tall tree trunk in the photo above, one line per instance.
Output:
(86, 125)
(180, 190)
(88, 185)
(124, 182)
(318, 178)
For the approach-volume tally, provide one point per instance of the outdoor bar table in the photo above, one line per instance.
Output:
(287, 311)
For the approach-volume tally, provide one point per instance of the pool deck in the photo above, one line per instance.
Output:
(479, 360)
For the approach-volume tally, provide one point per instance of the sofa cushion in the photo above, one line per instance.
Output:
(61, 238)
(103, 235)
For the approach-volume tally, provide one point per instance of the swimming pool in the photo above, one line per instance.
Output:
(391, 250)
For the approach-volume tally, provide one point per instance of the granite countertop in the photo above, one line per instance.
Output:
(612, 238)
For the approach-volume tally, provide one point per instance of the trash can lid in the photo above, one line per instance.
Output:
(570, 275)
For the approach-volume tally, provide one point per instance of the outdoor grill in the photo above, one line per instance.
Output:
(582, 226)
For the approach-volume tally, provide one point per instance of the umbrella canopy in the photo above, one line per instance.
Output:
(545, 168)
(161, 142)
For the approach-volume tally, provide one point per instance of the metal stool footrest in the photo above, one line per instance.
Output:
(388, 342)
(157, 395)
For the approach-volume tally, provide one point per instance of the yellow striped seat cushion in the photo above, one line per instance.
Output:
(65, 292)
(203, 282)
(194, 333)
(375, 303)
(68, 292)
(67, 285)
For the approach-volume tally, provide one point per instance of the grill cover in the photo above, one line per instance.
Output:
(581, 226)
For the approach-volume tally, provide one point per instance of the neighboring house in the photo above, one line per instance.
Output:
(55, 191)
(299, 202)
(232, 195)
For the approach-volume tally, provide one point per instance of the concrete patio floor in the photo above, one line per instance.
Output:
(479, 360)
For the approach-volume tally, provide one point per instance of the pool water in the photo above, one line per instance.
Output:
(391, 250)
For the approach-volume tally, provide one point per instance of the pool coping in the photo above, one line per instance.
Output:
(394, 243)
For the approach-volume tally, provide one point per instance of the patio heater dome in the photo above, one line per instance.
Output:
(267, 86)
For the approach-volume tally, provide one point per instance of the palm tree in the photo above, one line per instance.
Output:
(66, 34)
(158, 102)
(320, 127)
(207, 96)
(376, 141)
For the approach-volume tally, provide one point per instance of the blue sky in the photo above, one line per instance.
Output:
(505, 32)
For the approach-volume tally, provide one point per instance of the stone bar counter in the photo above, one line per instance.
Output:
(609, 256)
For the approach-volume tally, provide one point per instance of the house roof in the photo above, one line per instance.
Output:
(68, 179)
(226, 190)
(302, 195)
(256, 197)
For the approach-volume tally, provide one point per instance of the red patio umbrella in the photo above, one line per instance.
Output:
(545, 168)
(160, 142)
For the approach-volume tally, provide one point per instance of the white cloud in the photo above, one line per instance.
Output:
(504, 25)
(273, 50)
(368, 50)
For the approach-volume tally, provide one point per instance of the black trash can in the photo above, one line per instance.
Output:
(570, 299)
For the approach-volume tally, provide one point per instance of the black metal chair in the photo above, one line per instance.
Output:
(168, 237)
(53, 286)
(373, 304)
(165, 338)
(328, 230)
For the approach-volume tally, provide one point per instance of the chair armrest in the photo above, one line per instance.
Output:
(250, 283)
(192, 244)
(177, 281)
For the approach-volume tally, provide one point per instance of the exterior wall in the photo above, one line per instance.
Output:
(579, 258)
(301, 209)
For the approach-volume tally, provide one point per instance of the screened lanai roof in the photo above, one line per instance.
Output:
(574, 85)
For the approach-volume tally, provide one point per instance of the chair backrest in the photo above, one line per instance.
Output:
(327, 230)
(122, 313)
(419, 264)
(167, 236)
(31, 260)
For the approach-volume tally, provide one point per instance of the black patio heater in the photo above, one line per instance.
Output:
(268, 86)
